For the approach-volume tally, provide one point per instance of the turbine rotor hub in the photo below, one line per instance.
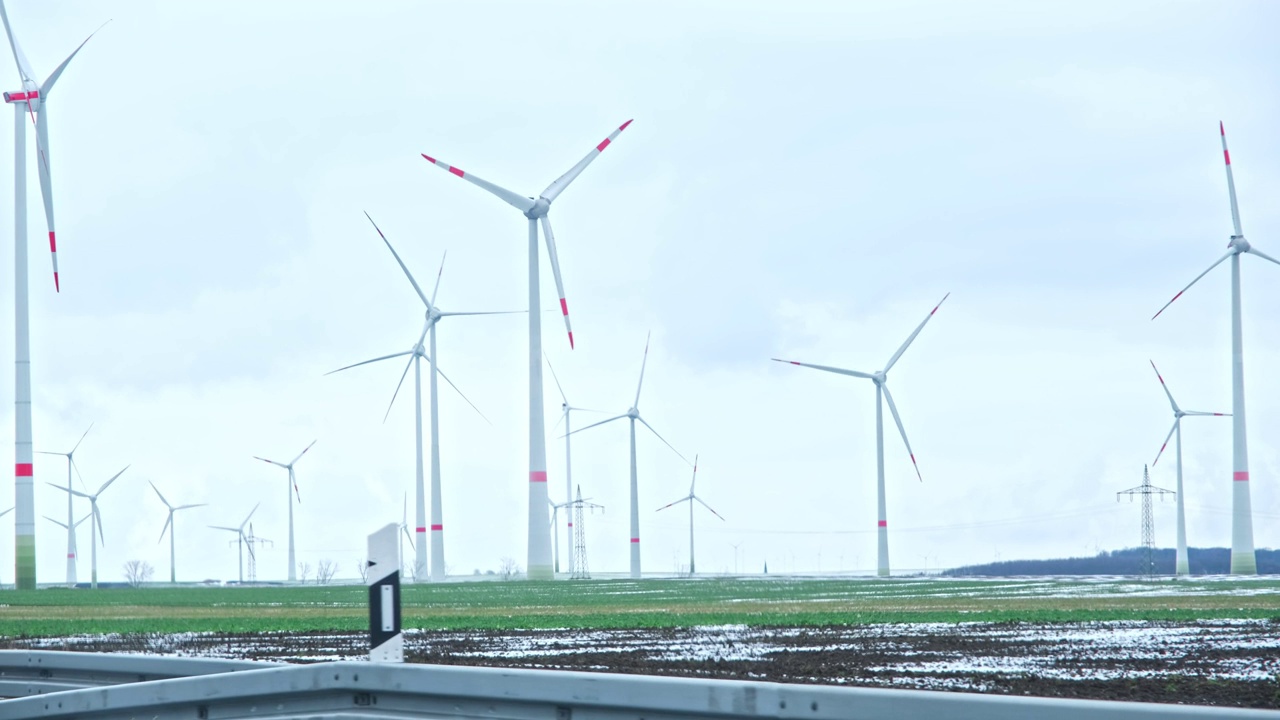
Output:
(539, 210)
(1239, 244)
(633, 413)
(879, 377)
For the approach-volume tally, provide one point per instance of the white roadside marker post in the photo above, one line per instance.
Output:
(386, 643)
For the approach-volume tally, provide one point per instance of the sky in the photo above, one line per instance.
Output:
(802, 181)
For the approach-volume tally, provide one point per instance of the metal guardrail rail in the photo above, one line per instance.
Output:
(37, 672)
(351, 690)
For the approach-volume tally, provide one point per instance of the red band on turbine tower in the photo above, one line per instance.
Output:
(437, 527)
(882, 523)
(537, 476)
(23, 470)
(420, 529)
(1240, 476)
(635, 540)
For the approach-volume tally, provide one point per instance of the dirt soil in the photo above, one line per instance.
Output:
(1227, 663)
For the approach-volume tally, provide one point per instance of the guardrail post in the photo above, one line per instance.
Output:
(386, 643)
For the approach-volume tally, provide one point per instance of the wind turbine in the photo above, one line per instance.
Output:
(71, 530)
(1182, 566)
(293, 482)
(95, 525)
(633, 414)
(1243, 560)
(566, 410)
(883, 395)
(539, 560)
(690, 498)
(168, 525)
(33, 101)
(240, 537)
(404, 528)
(416, 354)
(70, 524)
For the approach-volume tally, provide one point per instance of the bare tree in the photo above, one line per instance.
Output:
(137, 572)
(508, 569)
(304, 571)
(362, 569)
(324, 571)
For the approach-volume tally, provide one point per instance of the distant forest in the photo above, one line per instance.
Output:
(1202, 561)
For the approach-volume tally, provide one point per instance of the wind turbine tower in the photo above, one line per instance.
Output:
(880, 378)
(31, 101)
(691, 498)
(567, 411)
(539, 563)
(240, 538)
(293, 484)
(1146, 490)
(95, 525)
(70, 524)
(169, 526)
(1243, 559)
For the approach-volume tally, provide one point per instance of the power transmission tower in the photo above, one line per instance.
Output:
(1147, 490)
(251, 540)
(580, 571)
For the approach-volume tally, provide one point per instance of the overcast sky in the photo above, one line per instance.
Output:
(802, 180)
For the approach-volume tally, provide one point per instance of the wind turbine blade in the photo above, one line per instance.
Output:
(273, 462)
(77, 493)
(554, 189)
(1231, 182)
(304, 452)
(47, 87)
(550, 238)
(6, 512)
(1193, 282)
(97, 516)
(46, 517)
(694, 481)
(643, 362)
(1205, 414)
(46, 184)
(828, 368)
(519, 202)
(893, 360)
(50, 452)
(553, 377)
(186, 507)
(1264, 256)
(713, 512)
(82, 437)
(460, 394)
(168, 521)
(293, 480)
(673, 504)
(107, 484)
(664, 440)
(153, 487)
(249, 517)
(407, 535)
(366, 362)
(588, 427)
(400, 262)
(436, 290)
(1172, 402)
(24, 68)
(486, 312)
(1166, 442)
(79, 477)
(81, 520)
(400, 384)
(224, 527)
(893, 409)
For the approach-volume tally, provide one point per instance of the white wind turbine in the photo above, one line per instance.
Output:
(69, 524)
(1243, 560)
(633, 414)
(566, 410)
(1182, 565)
(535, 209)
(95, 525)
(416, 354)
(240, 538)
(690, 498)
(71, 531)
(169, 526)
(883, 395)
(32, 101)
(293, 483)
(404, 528)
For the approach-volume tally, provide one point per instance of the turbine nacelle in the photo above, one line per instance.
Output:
(879, 377)
(541, 206)
(633, 413)
(30, 95)
(1239, 244)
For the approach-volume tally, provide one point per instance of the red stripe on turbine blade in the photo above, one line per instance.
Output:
(570, 524)
(456, 171)
(882, 523)
(635, 540)
(793, 362)
(564, 306)
(1222, 129)
(57, 286)
(23, 470)
(570, 339)
(437, 527)
(603, 144)
(625, 124)
(429, 158)
(53, 244)
(1219, 414)
(1240, 476)
(537, 476)
(420, 529)
(1226, 155)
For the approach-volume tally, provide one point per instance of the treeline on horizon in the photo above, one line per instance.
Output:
(1202, 561)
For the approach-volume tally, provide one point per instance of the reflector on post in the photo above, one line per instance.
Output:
(386, 643)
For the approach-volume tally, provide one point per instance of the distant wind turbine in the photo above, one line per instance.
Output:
(566, 409)
(434, 315)
(71, 530)
(632, 415)
(240, 537)
(71, 533)
(883, 395)
(404, 528)
(169, 526)
(293, 484)
(95, 525)
(691, 498)
(1243, 559)
(539, 565)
